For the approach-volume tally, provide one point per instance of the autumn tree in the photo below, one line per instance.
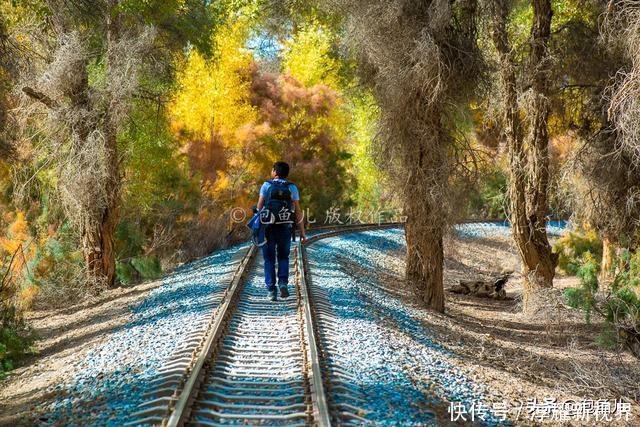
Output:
(89, 66)
(598, 180)
(419, 58)
(305, 126)
(610, 161)
(7, 75)
(527, 137)
(236, 116)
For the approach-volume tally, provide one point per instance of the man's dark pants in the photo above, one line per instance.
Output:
(276, 250)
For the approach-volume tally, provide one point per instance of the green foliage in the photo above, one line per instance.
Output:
(125, 273)
(608, 337)
(369, 192)
(138, 269)
(157, 183)
(16, 341)
(148, 267)
(129, 239)
(183, 21)
(572, 247)
(159, 193)
(583, 297)
(618, 304)
(58, 251)
(487, 199)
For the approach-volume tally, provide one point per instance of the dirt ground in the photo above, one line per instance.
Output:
(551, 356)
(66, 335)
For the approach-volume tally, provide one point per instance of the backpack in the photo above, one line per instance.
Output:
(278, 202)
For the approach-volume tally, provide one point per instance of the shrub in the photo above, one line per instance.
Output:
(148, 267)
(572, 247)
(618, 304)
(136, 269)
(583, 296)
(57, 270)
(125, 273)
(15, 343)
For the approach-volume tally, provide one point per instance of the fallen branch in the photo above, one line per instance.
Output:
(39, 96)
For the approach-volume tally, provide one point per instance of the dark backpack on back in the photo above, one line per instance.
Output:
(279, 203)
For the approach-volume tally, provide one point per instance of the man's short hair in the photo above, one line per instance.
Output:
(281, 169)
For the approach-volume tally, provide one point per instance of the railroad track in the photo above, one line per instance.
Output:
(260, 362)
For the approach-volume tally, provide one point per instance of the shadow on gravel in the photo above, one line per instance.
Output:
(123, 356)
(356, 284)
(129, 292)
(368, 275)
(98, 401)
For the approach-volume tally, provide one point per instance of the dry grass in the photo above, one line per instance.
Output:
(72, 115)
(622, 26)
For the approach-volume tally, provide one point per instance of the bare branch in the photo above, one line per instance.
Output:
(39, 96)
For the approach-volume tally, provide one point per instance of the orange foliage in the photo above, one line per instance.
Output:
(17, 234)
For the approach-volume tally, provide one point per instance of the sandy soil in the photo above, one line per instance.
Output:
(66, 335)
(551, 356)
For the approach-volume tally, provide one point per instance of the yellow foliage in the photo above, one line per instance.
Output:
(27, 295)
(214, 93)
(307, 56)
(222, 183)
(364, 116)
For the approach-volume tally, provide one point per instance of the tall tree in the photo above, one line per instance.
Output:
(528, 153)
(609, 162)
(600, 177)
(7, 74)
(419, 58)
(86, 85)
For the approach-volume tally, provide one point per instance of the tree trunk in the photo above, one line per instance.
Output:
(528, 169)
(98, 234)
(98, 249)
(609, 246)
(424, 256)
(426, 163)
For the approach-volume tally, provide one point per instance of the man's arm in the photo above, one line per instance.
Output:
(299, 219)
(260, 202)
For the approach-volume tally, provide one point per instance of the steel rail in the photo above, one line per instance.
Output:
(180, 406)
(319, 398)
(322, 408)
(180, 410)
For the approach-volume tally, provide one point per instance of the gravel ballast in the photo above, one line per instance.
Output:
(110, 381)
(382, 343)
(503, 229)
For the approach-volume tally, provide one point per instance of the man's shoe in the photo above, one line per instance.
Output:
(273, 295)
(284, 292)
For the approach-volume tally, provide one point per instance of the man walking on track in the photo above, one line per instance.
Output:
(279, 207)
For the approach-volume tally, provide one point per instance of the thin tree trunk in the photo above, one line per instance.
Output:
(609, 245)
(528, 171)
(424, 207)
